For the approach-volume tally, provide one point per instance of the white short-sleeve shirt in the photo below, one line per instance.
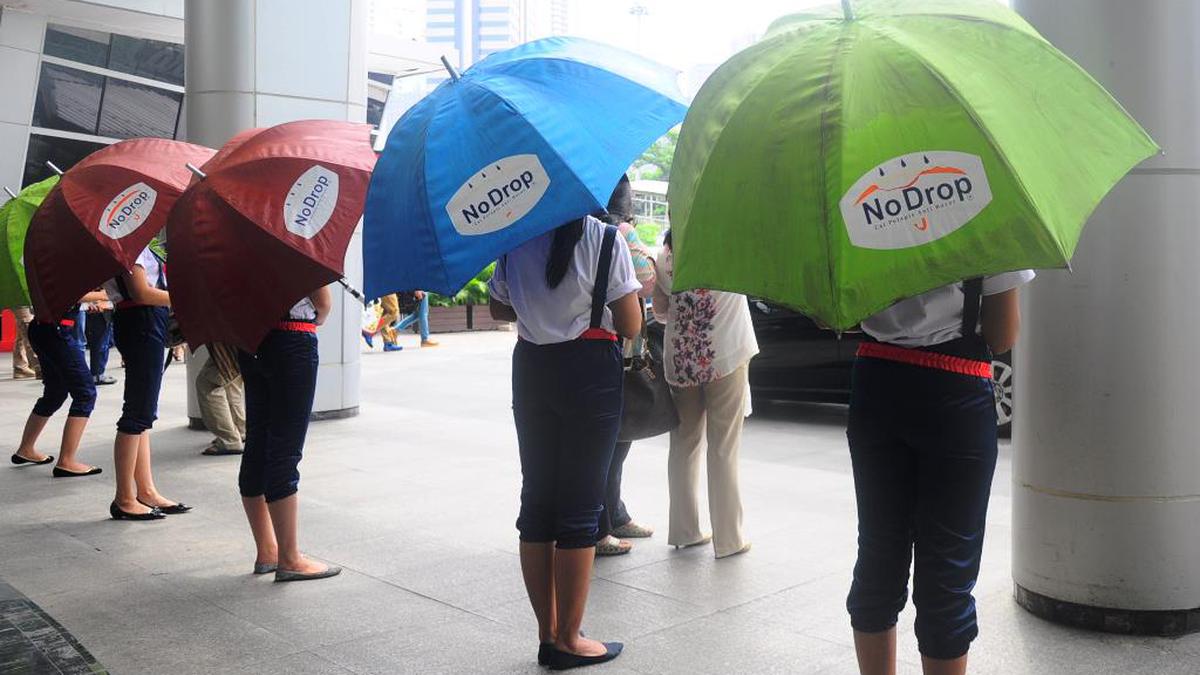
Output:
(552, 315)
(303, 310)
(934, 317)
(148, 262)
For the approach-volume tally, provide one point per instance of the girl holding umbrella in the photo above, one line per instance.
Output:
(281, 381)
(64, 373)
(573, 293)
(140, 332)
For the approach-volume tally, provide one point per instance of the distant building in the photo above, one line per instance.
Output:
(650, 201)
(478, 28)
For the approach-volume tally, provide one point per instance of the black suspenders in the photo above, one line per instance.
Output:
(600, 290)
(972, 299)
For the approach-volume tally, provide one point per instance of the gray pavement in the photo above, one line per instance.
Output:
(417, 496)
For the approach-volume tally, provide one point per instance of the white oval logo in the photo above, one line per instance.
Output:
(128, 211)
(310, 202)
(498, 195)
(915, 199)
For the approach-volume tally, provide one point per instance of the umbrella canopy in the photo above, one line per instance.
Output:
(269, 224)
(522, 142)
(888, 147)
(106, 209)
(14, 223)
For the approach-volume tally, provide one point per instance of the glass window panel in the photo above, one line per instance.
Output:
(68, 99)
(64, 152)
(375, 111)
(133, 110)
(384, 78)
(77, 44)
(162, 61)
(181, 126)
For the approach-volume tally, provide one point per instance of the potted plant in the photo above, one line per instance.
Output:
(466, 310)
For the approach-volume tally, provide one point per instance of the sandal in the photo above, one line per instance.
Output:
(610, 545)
(214, 451)
(633, 530)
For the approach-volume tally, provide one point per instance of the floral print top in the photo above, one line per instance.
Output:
(709, 333)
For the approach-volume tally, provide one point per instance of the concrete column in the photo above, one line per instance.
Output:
(257, 63)
(1107, 468)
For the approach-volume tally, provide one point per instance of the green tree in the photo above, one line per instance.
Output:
(658, 156)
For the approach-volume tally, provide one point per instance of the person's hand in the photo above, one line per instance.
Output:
(419, 295)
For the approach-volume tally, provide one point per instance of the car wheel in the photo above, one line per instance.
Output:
(1002, 381)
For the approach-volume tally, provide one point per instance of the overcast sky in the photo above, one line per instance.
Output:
(687, 34)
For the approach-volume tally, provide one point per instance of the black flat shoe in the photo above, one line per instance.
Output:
(172, 510)
(118, 514)
(282, 575)
(544, 649)
(18, 460)
(560, 660)
(66, 473)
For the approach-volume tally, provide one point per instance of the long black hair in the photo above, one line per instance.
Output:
(563, 250)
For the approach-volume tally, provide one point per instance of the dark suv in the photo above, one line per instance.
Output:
(799, 361)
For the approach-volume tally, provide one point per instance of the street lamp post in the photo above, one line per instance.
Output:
(639, 12)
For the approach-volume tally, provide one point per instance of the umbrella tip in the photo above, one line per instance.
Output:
(451, 69)
(847, 10)
(196, 171)
(11, 194)
(54, 168)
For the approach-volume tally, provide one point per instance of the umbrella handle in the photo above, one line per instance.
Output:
(353, 291)
(11, 194)
(54, 168)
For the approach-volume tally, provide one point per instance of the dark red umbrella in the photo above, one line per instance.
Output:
(106, 209)
(269, 223)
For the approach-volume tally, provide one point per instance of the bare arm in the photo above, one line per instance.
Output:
(322, 301)
(1001, 321)
(501, 311)
(662, 304)
(95, 296)
(627, 315)
(142, 292)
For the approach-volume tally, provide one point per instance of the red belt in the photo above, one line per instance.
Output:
(598, 334)
(65, 323)
(297, 326)
(924, 359)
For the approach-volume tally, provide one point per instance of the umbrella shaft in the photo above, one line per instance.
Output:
(353, 291)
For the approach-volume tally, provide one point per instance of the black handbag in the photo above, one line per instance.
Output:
(647, 408)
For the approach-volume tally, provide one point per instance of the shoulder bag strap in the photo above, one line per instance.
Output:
(600, 290)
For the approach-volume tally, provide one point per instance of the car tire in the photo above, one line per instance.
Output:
(1002, 386)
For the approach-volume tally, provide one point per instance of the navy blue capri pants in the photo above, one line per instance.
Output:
(64, 370)
(281, 382)
(567, 408)
(923, 446)
(140, 334)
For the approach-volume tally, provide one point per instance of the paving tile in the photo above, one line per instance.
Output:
(334, 610)
(719, 644)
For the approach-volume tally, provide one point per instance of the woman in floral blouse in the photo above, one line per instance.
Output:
(709, 343)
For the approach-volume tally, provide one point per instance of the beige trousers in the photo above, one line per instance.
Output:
(222, 406)
(25, 362)
(714, 413)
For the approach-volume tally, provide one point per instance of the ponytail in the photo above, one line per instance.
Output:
(562, 251)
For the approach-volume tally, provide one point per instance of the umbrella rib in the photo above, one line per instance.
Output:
(976, 122)
(842, 41)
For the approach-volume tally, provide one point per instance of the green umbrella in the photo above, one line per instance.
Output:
(882, 149)
(14, 223)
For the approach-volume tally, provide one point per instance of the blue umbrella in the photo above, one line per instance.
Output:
(520, 143)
